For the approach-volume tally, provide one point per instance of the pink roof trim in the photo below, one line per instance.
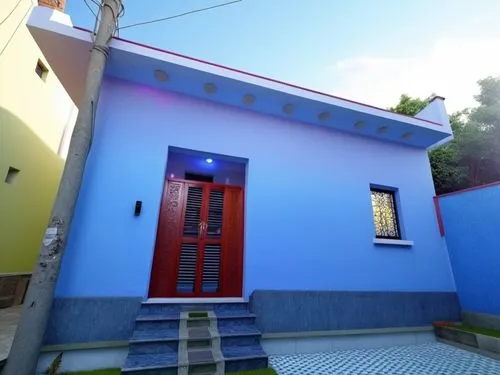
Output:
(258, 76)
(469, 189)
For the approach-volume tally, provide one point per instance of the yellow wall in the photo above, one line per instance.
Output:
(34, 114)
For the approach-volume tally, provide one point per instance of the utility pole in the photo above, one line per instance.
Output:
(23, 356)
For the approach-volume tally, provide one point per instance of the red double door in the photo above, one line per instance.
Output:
(199, 243)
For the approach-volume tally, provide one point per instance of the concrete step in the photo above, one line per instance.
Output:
(199, 339)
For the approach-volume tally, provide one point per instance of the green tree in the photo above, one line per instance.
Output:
(480, 141)
(446, 171)
(409, 106)
(473, 157)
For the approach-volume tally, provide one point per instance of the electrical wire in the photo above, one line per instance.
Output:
(121, 13)
(10, 14)
(15, 30)
(179, 15)
(90, 8)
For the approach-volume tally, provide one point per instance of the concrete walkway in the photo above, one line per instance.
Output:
(8, 323)
(422, 359)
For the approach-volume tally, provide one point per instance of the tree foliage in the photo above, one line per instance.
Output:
(473, 157)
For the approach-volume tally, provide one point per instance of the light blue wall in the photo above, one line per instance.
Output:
(308, 209)
(472, 229)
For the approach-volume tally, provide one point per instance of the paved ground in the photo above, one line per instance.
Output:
(424, 359)
(8, 323)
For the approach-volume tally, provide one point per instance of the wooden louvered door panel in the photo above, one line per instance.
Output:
(167, 240)
(210, 265)
(221, 260)
(190, 244)
(201, 253)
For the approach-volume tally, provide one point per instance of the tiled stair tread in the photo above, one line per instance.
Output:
(149, 361)
(243, 352)
(156, 317)
(162, 316)
(154, 335)
(239, 330)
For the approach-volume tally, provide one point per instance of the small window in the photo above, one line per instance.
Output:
(385, 214)
(41, 70)
(11, 175)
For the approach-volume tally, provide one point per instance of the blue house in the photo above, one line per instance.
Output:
(278, 214)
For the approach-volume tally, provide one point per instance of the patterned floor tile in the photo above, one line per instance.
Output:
(424, 359)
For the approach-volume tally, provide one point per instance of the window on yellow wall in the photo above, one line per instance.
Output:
(41, 70)
(11, 175)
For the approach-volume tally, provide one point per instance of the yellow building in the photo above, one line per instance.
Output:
(36, 120)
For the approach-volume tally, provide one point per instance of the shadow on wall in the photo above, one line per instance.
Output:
(29, 177)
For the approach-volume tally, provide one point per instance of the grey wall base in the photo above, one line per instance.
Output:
(301, 311)
(481, 320)
(84, 320)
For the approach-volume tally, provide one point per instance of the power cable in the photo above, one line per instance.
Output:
(179, 15)
(90, 8)
(15, 30)
(10, 14)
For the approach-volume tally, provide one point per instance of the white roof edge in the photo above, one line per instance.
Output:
(269, 83)
(58, 22)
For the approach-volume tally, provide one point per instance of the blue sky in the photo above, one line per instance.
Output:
(367, 50)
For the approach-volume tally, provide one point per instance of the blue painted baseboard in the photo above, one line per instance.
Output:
(294, 311)
(82, 320)
(85, 320)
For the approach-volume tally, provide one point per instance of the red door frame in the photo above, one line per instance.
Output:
(168, 242)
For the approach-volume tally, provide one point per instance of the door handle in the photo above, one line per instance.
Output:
(202, 228)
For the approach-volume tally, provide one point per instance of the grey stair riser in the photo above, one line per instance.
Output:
(154, 347)
(246, 364)
(155, 325)
(240, 341)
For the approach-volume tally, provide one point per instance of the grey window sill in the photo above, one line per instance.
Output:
(385, 241)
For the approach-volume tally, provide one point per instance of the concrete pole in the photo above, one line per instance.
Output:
(23, 356)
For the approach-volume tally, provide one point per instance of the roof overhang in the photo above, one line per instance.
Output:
(66, 49)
